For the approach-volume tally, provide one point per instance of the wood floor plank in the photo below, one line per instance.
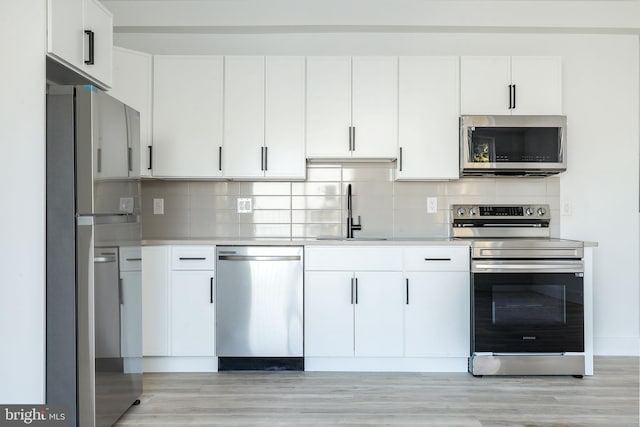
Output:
(243, 399)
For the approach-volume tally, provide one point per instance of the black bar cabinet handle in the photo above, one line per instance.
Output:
(510, 96)
(400, 160)
(129, 156)
(262, 158)
(192, 258)
(91, 35)
(150, 147)
(266, 158)
(437, 259)
(514, 97)
(407, 284)
(354, 147)
(211, 291)
(356, 290)
(220, 158)
(350, 142)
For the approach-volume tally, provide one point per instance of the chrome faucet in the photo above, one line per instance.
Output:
(351, 226)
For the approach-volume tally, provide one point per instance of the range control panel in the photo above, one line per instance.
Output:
(500, 211)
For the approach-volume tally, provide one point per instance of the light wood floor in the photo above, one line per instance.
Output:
(609, 398)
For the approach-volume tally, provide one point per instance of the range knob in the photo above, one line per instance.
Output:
(461, 211)
(542, 211)
(473, 211)
(528, 211)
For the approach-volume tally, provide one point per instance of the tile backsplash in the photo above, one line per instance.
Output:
(317, 206)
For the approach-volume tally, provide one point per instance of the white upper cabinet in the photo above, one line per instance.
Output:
(352, 107)
(187, 116)
(243, 152)
(518, 85)
(98, 22)
(132, 84)
(375, 106)
(285, 117)
(264, 117)
(80, 36)
(328, 107)
(428, 118)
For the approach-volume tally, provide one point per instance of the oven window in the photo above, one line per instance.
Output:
(527, 312)
(529, 305)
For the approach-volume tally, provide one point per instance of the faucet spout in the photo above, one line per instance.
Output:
(351, 225)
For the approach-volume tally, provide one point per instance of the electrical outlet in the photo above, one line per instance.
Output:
(158, 206)
(432, 205)
(244, 205)
(126, 204)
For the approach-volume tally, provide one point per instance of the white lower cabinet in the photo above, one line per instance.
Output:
(192, 313)
(436, 315)
(399, 309)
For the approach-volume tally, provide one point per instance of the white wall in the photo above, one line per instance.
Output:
(601, 97)
(22, 186)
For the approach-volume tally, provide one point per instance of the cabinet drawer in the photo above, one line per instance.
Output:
(436, 258)
(131, 258)
(193, 257)
(362, 258)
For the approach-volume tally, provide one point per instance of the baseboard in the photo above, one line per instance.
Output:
(180, 364)
(616, 346)
(386, 364)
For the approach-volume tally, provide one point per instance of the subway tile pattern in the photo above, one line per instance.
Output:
(317, 207)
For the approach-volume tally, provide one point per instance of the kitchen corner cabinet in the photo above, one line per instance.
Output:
(187, 116)
(132, 84)
(155, 300)
(516, 85)
(264, 117)
(352, 107)
(428, 118)
(80, 36)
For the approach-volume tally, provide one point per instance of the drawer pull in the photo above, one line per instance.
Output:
(192, 258)
(437, 259)
(133, 259)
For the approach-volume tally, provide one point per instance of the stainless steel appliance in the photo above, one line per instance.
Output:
(94, 345)
(259, 309)
(527, 293)
(512, 145)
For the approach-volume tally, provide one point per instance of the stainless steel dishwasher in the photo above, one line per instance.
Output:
(259, 307)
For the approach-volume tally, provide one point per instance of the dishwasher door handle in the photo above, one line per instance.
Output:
(259, 257)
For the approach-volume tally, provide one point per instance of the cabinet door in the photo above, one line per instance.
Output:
(155, 300)
(131, 84)
(328, 106)
(192, 313)
(436, 320)
(378, 314)
(243, 117)
(285, 117)
(375, 106)
(100, 21)
(131, 332)
(187, 116)
(538, 81)
(428, 118)
(328, 312)
(484, 85)
(65, 29)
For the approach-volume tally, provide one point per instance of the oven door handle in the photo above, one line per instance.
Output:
(529, 266)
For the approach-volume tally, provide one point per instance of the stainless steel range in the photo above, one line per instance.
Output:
(527, 292)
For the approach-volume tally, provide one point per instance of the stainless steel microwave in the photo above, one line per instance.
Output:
(513, 145)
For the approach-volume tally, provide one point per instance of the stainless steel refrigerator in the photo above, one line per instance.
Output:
(94, 342)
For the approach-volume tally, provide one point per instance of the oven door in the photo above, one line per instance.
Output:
(527, 306)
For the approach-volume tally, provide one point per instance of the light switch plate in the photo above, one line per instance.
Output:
(126, 204)
(244, 205)
(158, 206)
(432, 205)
